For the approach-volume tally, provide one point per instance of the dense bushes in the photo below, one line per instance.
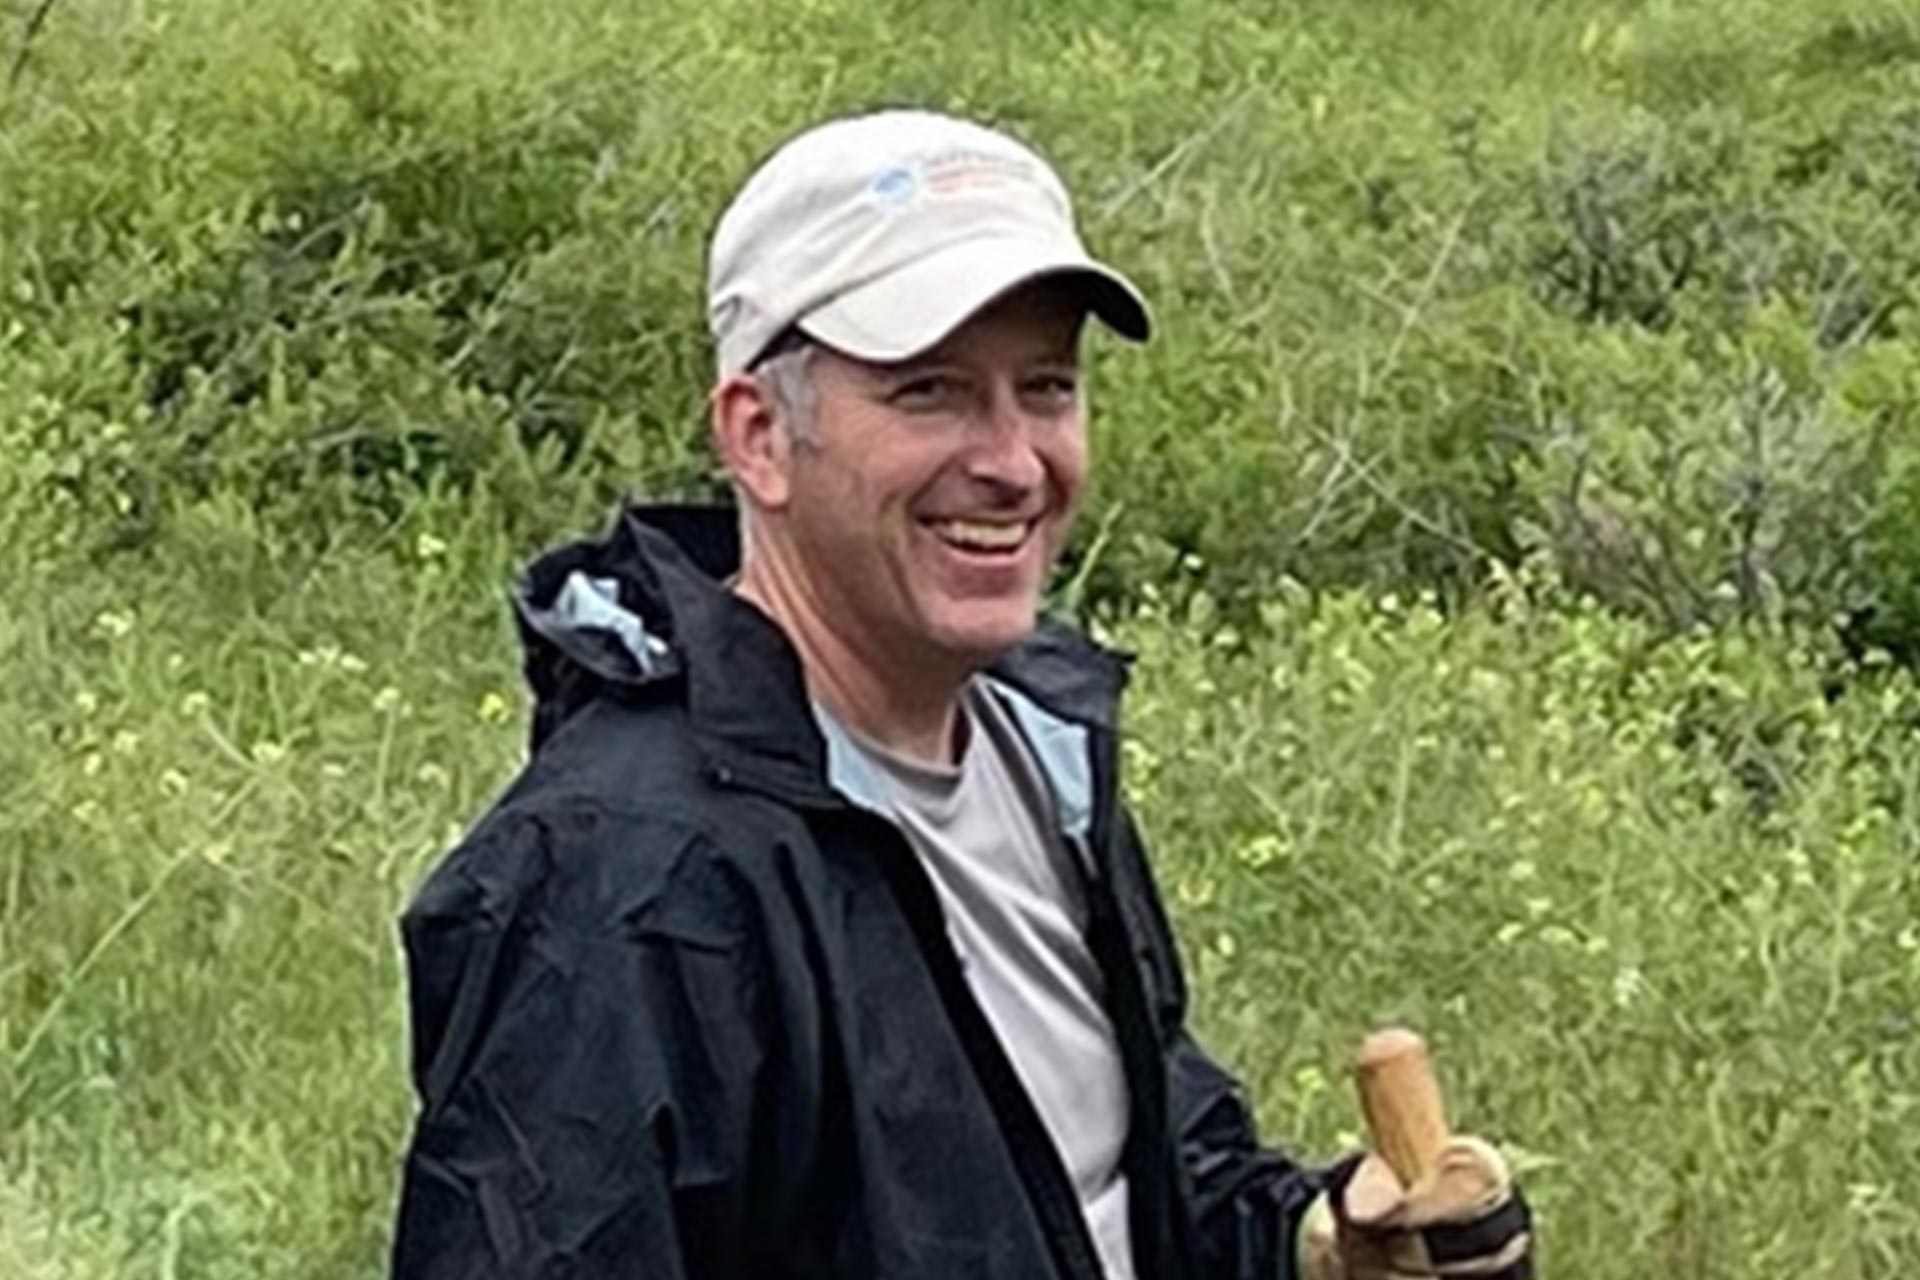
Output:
(1644, 318)
(1672, 360)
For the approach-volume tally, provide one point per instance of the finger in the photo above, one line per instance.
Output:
(1373, 1196)
(1470, 1179)
(1477, 1158)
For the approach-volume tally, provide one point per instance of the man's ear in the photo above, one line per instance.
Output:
(752, 442)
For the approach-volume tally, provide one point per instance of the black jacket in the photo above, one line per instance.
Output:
(682, 1009)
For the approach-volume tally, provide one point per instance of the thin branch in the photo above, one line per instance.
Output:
(1410, 316)
(1386, 493)
(35, 20)
(1184, 149)
(101, 945)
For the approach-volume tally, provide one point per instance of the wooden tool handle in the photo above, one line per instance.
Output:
(1401, 1098)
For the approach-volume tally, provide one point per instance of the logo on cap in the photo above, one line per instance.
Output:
(894, 187)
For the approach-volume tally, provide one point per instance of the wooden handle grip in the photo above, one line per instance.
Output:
(1401, 1098)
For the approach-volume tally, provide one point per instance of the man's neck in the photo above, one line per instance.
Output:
(914, 713)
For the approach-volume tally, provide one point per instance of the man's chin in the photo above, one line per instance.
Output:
(978, 640)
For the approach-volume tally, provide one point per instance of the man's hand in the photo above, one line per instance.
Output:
(1465, 1218)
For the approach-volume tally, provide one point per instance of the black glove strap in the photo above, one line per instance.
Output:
(1449, 1242)
(1457, 1241)
(1522, 1269)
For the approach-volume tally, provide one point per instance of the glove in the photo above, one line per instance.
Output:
(1465, 1218)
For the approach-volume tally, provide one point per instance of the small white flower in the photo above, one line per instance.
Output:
(1629, 984)
(112, 625)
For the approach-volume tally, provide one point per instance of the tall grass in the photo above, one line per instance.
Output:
(1653, 898)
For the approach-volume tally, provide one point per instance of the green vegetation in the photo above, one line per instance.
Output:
(1518, 521)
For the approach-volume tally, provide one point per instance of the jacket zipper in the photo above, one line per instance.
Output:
(1035, 1157)
(1158, 1241)
(1037, 1161)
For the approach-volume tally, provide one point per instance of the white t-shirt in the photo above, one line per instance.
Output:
(986, 831)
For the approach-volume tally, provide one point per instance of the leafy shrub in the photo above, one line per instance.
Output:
(1408, 331)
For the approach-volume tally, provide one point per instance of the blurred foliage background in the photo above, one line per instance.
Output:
(1518, 516)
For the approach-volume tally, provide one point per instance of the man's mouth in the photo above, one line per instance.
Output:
(990, 536)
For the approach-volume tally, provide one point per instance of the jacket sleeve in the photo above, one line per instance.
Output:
(588, 1053)
(1245, 1201)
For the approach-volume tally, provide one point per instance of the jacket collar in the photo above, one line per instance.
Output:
(645, 606)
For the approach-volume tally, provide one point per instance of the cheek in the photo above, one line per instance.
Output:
(899, 475)
(849, 495)
(1066, 463)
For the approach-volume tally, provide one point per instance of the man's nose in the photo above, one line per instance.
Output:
(1007, 453)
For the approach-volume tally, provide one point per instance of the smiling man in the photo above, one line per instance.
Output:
(907, 546)
(814, 940)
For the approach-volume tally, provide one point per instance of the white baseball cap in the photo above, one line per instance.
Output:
(879, 234)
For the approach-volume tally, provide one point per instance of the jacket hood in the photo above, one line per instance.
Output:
(600, 606)
(642, 611)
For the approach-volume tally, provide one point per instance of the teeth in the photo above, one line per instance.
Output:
(979, 533)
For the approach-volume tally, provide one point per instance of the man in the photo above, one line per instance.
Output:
(814, 940)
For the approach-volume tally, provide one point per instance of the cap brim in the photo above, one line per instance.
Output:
(907, 311)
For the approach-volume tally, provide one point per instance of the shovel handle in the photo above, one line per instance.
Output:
(1401, 1098)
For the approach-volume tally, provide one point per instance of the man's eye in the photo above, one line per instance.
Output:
(924, 389)
(1057, 386)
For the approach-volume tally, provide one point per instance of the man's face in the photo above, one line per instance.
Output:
(935, 495)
